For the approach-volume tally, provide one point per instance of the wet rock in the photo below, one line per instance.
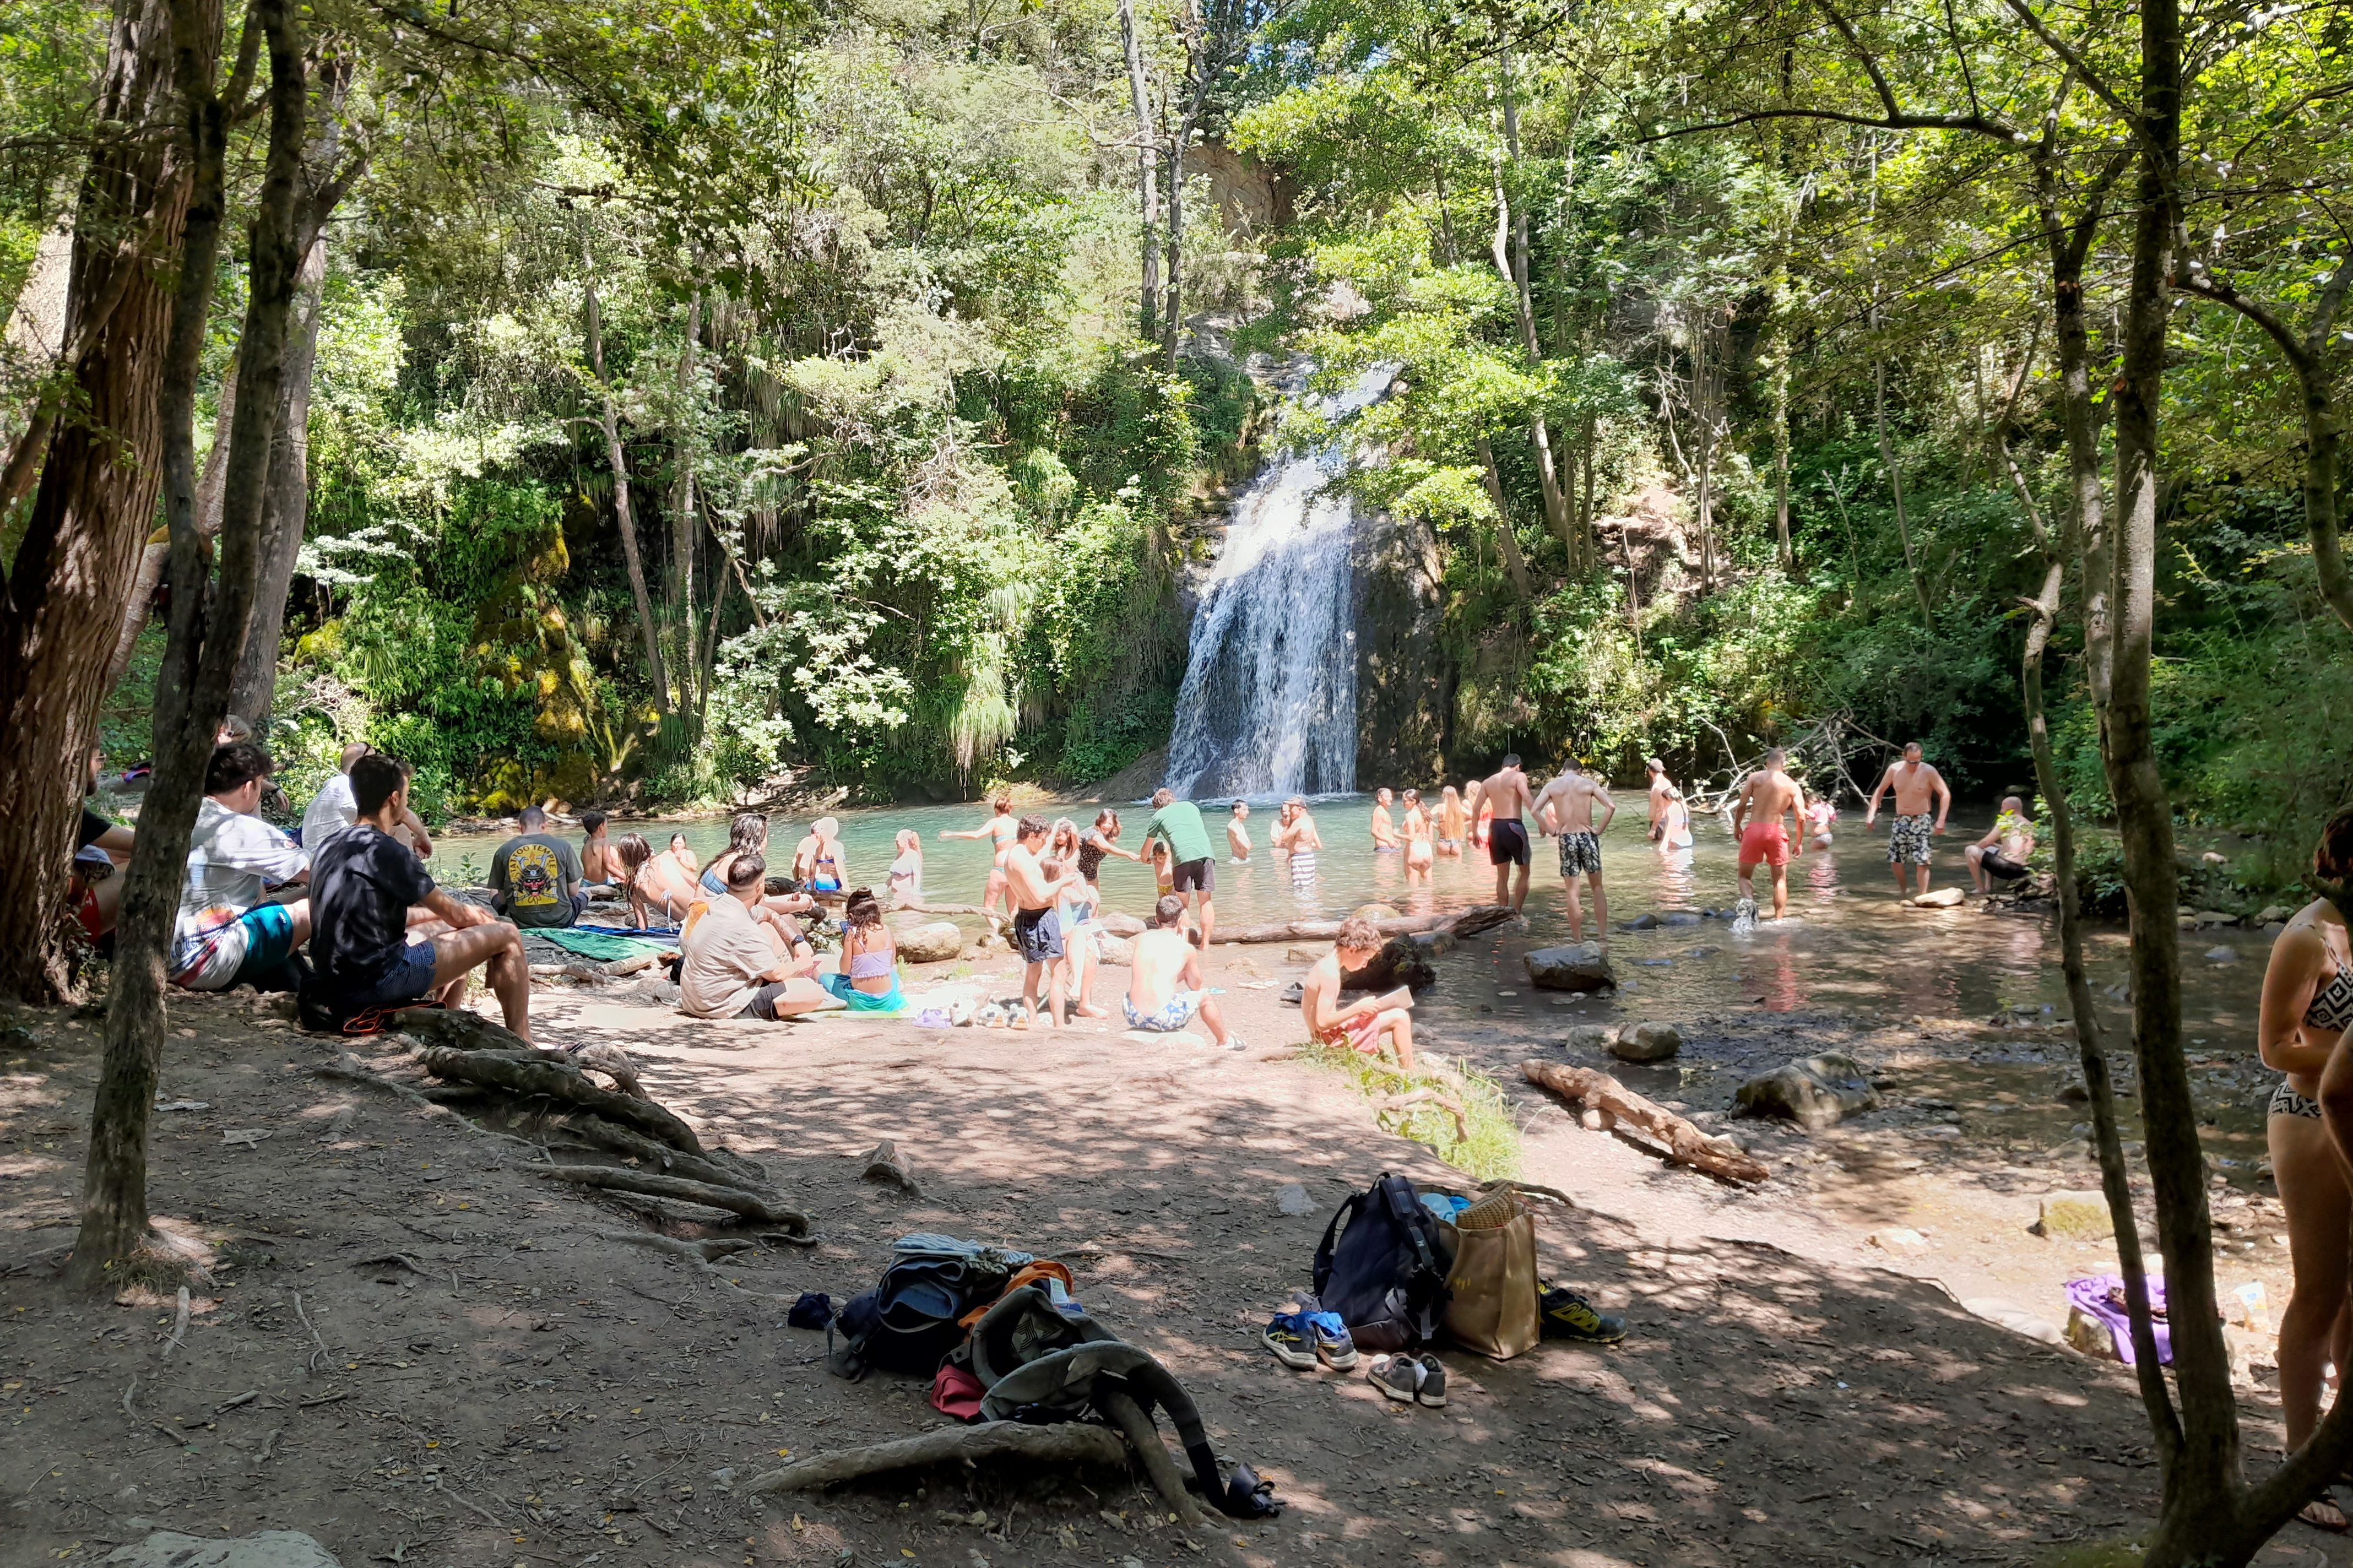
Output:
(1899, 1240)
(1375, 912)
(1679, 918)
(1655, 962)
(2270, 914)
(1815, 1092)
(1646, 1042)
(2074, 1094)
(1432, 942)
(2216, 918)
(1399, 962)
(1592, 1038)
(934, 942)
(1119, 924)
(1305, 954)
(2073, 1216)
(1585, 968)
(2221, 955)
(265, 1548)
(1640, 922)
(1942, 899)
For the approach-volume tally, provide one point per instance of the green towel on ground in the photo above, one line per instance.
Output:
(597, 946)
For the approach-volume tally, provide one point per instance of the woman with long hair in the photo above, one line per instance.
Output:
(1098, 841)
(907, 870)
(748, 833)
(868, 980)
(1453, 822)
(1420, 857)
(819, 863)
(2307, 1001)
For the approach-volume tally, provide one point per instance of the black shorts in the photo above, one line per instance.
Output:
(2000, 867)
(763, 1004)
(1038, 934)
(1196, 877)
(1507, 843)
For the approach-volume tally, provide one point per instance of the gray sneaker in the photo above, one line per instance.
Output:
(1433, 1389)
(1398, 1376)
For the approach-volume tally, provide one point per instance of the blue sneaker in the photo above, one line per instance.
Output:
(1290, 1339)
(1334, 1348)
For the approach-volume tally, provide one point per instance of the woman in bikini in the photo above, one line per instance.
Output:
(1000, 830)
(819, 863)
(2307, 1003)
(747, 834)
(660, 889)
(1419, 854)
(868, 979)
(907, 870)
(1076, 908)
(1300, 835)
(1453, 822)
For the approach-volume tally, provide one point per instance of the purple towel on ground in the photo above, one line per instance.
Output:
(2090, 1298)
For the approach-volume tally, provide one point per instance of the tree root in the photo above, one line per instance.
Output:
(734, 1200)
(594, 1129)
(1069, 1443)
(527, 1072)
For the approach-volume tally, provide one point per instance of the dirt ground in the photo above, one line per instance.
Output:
(418, 1352)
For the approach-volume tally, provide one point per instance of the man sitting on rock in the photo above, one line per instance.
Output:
(1165, 988)
(2001, 854)
(1360, 1025)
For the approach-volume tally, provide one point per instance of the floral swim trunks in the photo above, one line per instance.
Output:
(1579, 853)
(1907, 840)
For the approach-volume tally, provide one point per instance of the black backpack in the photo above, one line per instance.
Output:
(1386, 1277)
(911, 1320)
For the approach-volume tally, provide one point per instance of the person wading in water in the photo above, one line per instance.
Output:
(1505, 796)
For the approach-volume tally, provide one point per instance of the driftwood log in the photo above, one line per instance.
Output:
(1069, 1443)
(526, 1072)
(756, 1207)
(1685, 1143)
(1466, 922)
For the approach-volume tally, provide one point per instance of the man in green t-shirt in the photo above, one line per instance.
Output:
(535, 875)
(1178, 823)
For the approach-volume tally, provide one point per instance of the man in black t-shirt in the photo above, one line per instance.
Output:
(384, 935)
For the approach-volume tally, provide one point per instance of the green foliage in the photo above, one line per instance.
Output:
(1452, 1108)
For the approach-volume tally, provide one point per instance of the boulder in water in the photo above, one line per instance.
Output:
(1815, 1092)
(1375, 912)
(1640, 922)
(1432, 942)
(1581, 968)
(1646, 1042)
(1679, 918)
(1399, 962)
(1942, 899)
(934, 942)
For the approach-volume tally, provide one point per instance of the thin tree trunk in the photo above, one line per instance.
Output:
(208, 620)
(1512, 263)
(1895, 489)
(1784, 551)
(1172, 324)
(286, 511)
(1514, 561)
(622, 515)
(1634, 590)
(157, 552)
(95, 496)
(685, 535)
(1589, 529)
(1147, 155)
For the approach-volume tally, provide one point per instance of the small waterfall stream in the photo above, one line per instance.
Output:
(1268, 701)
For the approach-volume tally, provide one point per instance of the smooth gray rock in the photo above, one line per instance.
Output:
(1119, 924)
(1118, 950)
(1431, 944)
(1815, 1092)
(1293, 1200)
(1679, 918)
(1585, 968)
(934, 942)
(1646, 1042)
(264, 1549)
(1640, 922)
(1592, 1038)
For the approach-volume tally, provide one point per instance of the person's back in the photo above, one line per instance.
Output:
(597, 861)
(1160, 955)
(535, 875)
(362, 883)
(333, 809)
(724, 953)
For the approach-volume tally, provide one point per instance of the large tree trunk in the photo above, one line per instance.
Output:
(208, 621)
(96, 498)
(622, 514)
(1139, 95)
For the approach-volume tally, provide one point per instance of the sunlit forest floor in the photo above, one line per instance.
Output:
(492, 1381)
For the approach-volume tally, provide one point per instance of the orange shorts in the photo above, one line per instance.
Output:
(1765, 841)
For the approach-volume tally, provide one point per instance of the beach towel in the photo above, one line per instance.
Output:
(2090, 1299)
(651, 933)
(599, 946)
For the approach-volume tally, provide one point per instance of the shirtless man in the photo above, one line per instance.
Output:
(1505, 793)
(2001, 854)
(1769, 795)
(1297, 839)
(1916, 785)
(1238, 839)
(1360, 1025)
(1000, 830)
(1662, 794)
(1384, 830)
(1035, 931)
(1566, 807)
(1165, 988)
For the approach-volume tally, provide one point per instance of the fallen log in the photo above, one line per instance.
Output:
(1685, 1143)
(1069, 1443)
(1463, 923)
(756, 1206)
(527, 1072)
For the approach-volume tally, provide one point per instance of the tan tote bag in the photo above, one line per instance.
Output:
(1495, 1281)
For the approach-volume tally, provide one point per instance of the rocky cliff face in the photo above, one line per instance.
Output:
(1405, 685)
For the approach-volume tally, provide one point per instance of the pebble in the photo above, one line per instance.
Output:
(1293, 1200)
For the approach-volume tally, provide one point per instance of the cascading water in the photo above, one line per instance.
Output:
(1269, 702)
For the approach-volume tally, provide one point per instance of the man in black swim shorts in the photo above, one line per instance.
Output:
(1507, 837)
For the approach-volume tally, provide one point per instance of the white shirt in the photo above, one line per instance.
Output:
(334, 810)
(233, 859)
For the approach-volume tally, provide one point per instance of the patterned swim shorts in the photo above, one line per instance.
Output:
(1579, 852)
(1907, 840)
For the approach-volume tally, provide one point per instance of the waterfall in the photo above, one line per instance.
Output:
(1268, 701)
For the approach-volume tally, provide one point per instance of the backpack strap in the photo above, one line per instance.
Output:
(1411, 1217)
(1345, 1212)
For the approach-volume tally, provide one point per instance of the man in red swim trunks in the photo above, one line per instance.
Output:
(1769, 795)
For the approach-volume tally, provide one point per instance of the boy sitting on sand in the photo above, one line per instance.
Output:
(1360, 1025)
